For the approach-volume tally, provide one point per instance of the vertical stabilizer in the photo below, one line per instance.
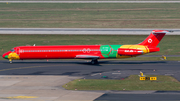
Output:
(154, 38)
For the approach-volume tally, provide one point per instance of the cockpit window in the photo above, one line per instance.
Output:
(12, 50)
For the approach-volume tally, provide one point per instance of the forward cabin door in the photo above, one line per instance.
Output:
(18, 51)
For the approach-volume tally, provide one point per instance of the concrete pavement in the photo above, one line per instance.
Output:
(41, 88)
(42, 81)
(84, 31)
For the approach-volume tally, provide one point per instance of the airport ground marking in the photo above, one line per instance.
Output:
(129, 64)
(19, 97)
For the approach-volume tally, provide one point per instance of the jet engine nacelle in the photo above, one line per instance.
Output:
(123, 51)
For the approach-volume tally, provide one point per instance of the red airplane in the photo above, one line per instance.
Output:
(93, 52)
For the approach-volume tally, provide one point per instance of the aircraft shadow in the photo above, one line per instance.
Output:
(85, 63)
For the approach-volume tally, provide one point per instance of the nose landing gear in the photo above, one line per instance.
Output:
(10, 60)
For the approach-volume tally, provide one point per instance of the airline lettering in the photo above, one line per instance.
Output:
(122, 51)
(21, 51)
(128, 51)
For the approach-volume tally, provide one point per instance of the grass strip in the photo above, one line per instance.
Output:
(164, 83)
(90, 15)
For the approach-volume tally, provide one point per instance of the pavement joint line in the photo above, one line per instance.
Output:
(69, 91)
(94, 74)
(20, 68)
(169, 74)
(116, 73)
(128, 64)
(26, 67)
(8, 86)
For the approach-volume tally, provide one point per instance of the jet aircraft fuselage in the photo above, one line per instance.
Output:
(93, 52)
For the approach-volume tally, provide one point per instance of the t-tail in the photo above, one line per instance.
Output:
(153, 40)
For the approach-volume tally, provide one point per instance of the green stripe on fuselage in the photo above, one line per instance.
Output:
(109, 51)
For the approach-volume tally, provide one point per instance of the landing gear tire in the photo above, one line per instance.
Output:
(10, 61)
(94, 61)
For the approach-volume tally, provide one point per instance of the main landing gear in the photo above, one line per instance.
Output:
(94, 61)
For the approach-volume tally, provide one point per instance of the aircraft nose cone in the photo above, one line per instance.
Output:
(5, 55)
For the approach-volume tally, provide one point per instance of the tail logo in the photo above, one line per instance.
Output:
(150, 41)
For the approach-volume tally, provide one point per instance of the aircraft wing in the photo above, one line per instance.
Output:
(87, 57)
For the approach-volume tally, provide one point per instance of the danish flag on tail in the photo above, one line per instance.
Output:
(154, 38)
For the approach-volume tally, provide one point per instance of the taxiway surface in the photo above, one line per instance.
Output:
(31, 76)
(85, 69)
(82, 31)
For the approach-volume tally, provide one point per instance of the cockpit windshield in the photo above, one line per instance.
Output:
(12, 50)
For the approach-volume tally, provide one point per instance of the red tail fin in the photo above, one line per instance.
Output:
(154, 38)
